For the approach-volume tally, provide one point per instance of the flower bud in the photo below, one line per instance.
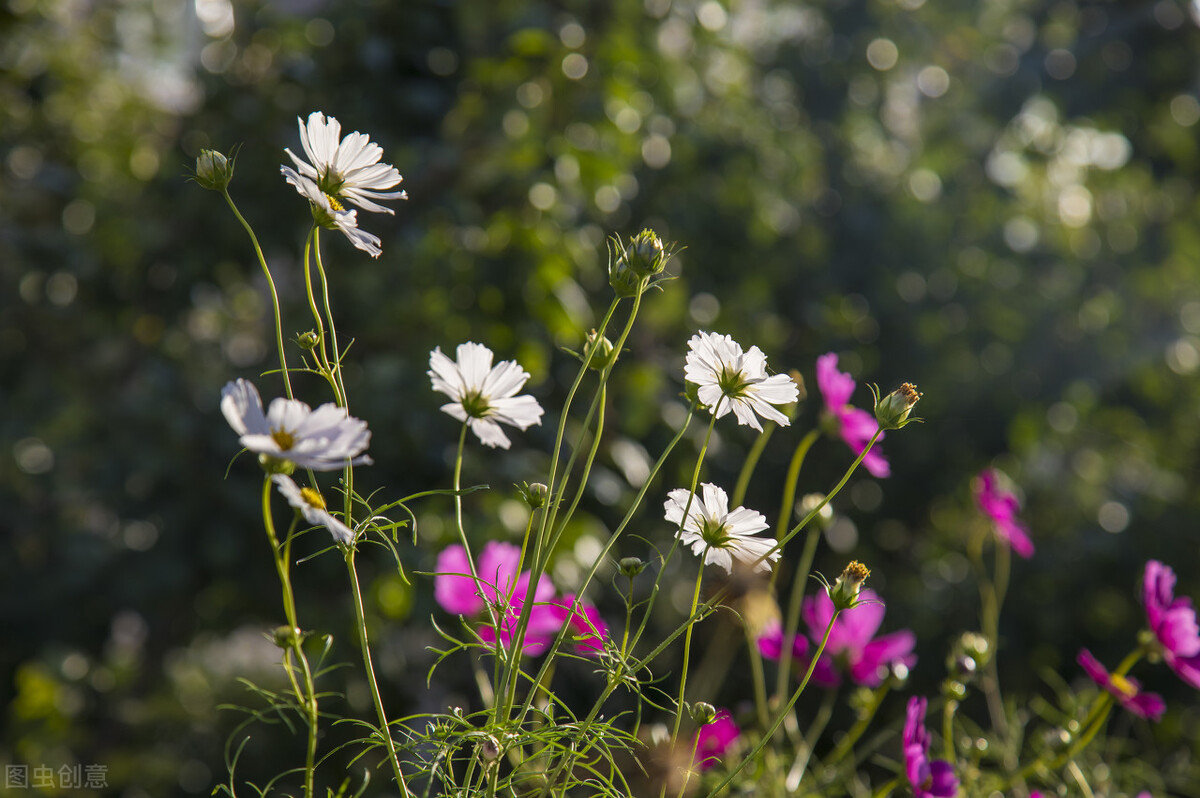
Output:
(534, 494)
(892, 410)
(285, 636)
(489, 748)
(276, 465)
(703, 713)
(645, 256)
(844, 592)
(213, 170)
(308, 340)
(623, 279)
(631, 566)
(601, 350)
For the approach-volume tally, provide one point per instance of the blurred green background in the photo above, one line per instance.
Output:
(994, 199)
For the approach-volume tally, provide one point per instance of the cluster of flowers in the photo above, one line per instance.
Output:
(495, 592)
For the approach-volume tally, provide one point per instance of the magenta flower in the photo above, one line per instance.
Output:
(855, 426)
(770, 644)
(715, 739)
(501, 588)
(1127, 690)
(852, 646)
(587, 627)
(1002, 507)
(1173, 621)
(934, 779)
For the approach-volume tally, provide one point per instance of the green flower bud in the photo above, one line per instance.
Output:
(213, 170)
(489, 748)
(623, 279)
(645, 256)
(534, 494)
(285, 636)
(308, 340)
(631, 566)
(275, 465)
(892, 410)
(703, 713)
(844, 592)
(601, 349)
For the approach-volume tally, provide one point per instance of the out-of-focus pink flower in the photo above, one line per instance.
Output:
(714, 739)
(929, 779)
(1002, 507)
(500, 587)
(587, 627)
(854, 425)
(852, 643)
(1127, 690)
(1173, 621)
(770, 644)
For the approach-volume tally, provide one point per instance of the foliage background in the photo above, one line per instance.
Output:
(994, 199)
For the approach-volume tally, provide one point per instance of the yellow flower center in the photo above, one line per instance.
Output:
(312, 498)
(1122, 685)
(333, 203)
(283, 439)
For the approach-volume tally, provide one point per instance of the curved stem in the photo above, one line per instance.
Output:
(750, 463)
(687, 648)
(361, 619)
(784, 712)
(262, 261)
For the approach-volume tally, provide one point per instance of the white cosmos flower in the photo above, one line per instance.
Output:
(311, 505)
(347, 169)
(329, 213)
(324, 439)
(730, 379)
(717, 534)
(484, 395)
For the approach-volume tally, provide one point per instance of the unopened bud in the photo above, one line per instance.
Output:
(703, 713)
(276, 465)
(308, 340)
(645, 256)
(285, 636)
(213, 170)
(892, 411)
(489, 748)
(534, 493)
(600, 350)
(631, 566)
(844, 592)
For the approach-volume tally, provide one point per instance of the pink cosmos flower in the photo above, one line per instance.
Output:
(934, 779)
(770, 644)
(500, 587)
(715, 739)
(1173, 621)
(587, 627)
(1002, 507)
(1127, 690)
(854, 425)
(852, 645)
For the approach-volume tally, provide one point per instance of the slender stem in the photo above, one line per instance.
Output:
(784, 712)
(361, 619)
(308, 698)
(748, 466)
(262, 261)
(846, 744)
(948, 710)
(758, 677)
(687, 648)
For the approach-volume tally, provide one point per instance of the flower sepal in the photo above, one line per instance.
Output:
(275, 465)
(845, 589)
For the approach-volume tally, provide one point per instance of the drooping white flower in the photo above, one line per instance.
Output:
(325, 439)
(730, 379)
(347, 169)
(717, 534)
(329, 213)
(484, 397)
(311, 505)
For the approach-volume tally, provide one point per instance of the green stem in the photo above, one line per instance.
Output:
(307, 698)
(687, 648)
(784, 712)
(751, 462)
(361, 619)
(846, 744)
(262, 261)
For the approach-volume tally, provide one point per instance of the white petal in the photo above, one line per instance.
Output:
(745, 414)
(489, 432)
(242, 407)
(474, 361)
(445, 374)
(504, 380)
(519, 411)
